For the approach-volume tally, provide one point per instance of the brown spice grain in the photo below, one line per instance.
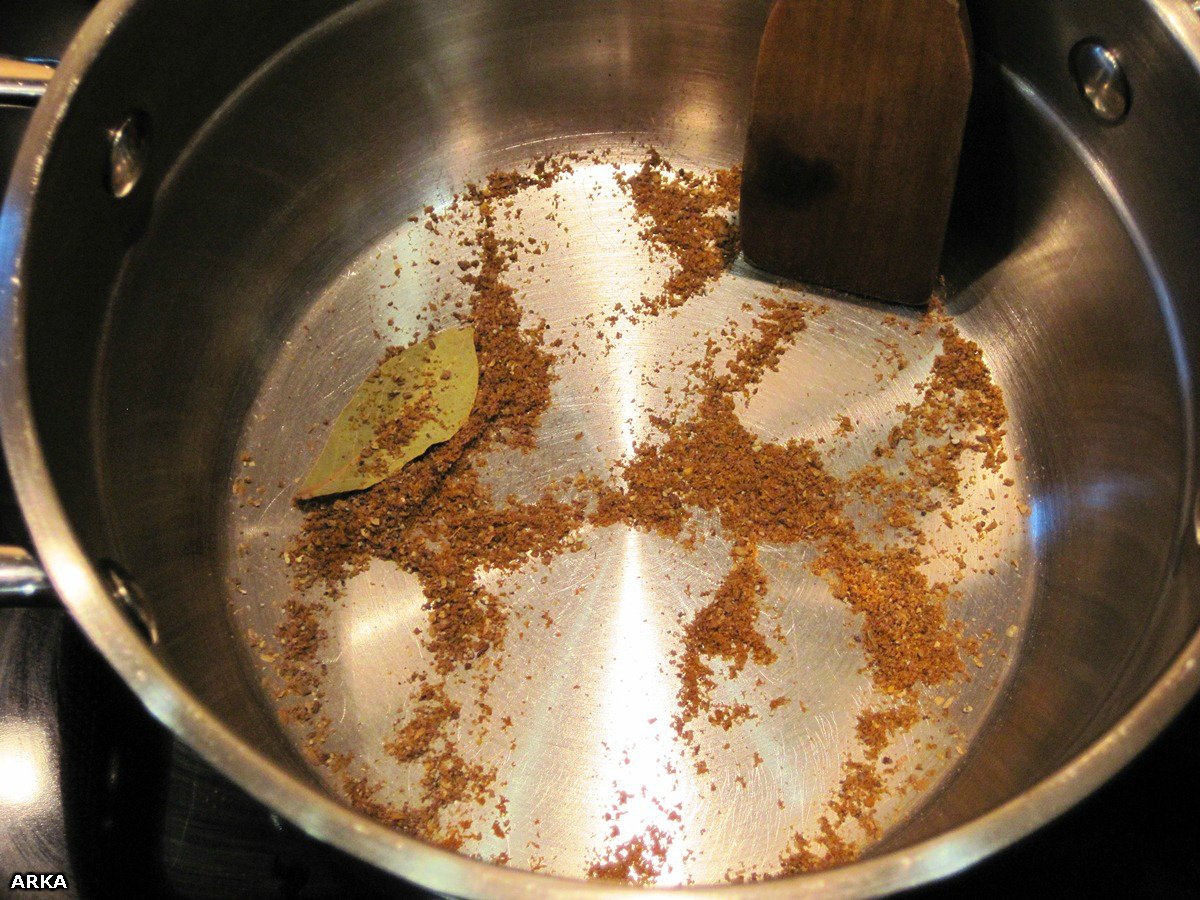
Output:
(638, 860)
(726, 629)
(876, 728)
(801, 857)
(438, 520)
(686, 216)
(772, 334)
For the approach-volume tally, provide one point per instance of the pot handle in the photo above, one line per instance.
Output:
(23, 581)
(23, 81)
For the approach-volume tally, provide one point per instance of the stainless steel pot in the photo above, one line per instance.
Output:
(199, 177)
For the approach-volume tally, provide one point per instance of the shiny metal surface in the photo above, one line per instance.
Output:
(23, 81)
(1070, 259)
(1101, 79)
(31, 801)
(23, 582)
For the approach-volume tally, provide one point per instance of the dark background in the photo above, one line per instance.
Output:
(139, 808)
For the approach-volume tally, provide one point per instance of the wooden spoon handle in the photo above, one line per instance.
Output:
(855, 134)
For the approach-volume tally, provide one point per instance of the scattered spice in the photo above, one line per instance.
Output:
(801, 856)
(781, 493)
(447, 779)
(772, 334)
(438, 520)
(858, 794)
(724, 629)
(639, 859)
(876, 728)
(687, 216)
(435, 518)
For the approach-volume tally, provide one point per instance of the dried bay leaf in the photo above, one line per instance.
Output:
(417, 397)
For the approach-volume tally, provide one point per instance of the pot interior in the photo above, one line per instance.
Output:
(273, 261)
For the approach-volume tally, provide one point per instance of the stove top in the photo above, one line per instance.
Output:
(91, 786)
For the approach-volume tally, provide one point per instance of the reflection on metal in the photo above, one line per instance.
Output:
(24, 764)
(32, 828)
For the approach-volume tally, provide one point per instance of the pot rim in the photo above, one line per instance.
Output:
(82, 590)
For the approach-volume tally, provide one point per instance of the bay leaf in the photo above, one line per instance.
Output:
(417, 397)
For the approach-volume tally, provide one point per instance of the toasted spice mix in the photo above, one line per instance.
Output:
(438, 520)
(686, 216)
(435, 518)
(876, 728)
(638, 860)
(724, 629)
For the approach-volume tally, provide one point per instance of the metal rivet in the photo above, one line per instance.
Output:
(1101, 81)
(128, 148)
(126, 592)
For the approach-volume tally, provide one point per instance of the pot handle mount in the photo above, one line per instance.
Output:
(23, 582)
(23, 81)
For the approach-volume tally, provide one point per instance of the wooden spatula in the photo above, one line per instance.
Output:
(855, 134)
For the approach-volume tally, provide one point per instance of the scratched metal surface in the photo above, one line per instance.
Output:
(592, 696)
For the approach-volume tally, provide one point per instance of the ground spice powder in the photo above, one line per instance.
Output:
(686, 216)
(439, 521)
(725, 629)
(638, 860)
